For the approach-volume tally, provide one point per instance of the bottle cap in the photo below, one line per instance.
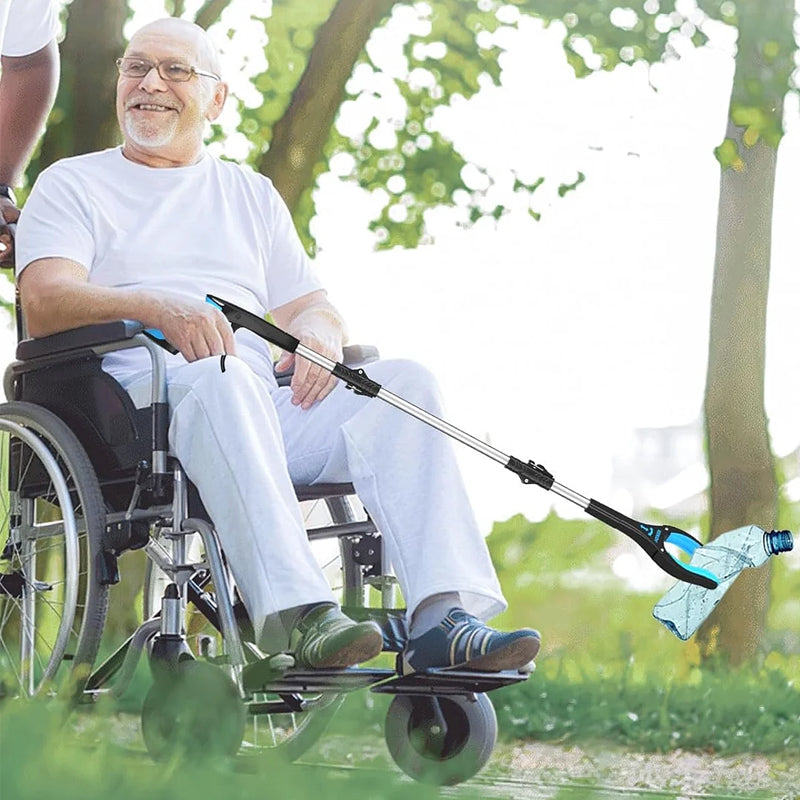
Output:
(779, 542)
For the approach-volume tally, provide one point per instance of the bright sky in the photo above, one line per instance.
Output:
(555, 340)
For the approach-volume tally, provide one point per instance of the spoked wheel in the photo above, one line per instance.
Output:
(196, 714)
(441, 740)
(290, 733)
(52, 518)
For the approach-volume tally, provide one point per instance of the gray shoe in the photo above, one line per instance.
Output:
(326, 639)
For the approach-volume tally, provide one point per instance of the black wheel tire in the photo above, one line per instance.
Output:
(416, 743)
(195, 714)
(87, 625)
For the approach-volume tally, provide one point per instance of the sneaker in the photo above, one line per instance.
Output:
(461, 641)
(326, 639)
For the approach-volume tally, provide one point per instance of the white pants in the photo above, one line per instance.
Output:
(243, 443)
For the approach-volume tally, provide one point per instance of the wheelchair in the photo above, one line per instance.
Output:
(86, 477)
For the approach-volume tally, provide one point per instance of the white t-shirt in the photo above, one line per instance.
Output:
(214, 227)
(27, 25)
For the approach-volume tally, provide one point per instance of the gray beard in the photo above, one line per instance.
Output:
(146, 135)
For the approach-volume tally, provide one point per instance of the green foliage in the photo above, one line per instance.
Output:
(43, 758)
(453, 51)
(609, 671)
(601, 34)
(725, 712)
(558, 577)
(449, 61)
(291, 31)
(728, 155)
(564, 188)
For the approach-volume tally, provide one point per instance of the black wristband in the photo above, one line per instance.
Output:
(7, 191)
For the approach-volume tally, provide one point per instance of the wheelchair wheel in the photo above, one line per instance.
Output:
(444, 745)
(52, 518)
(287, 734)
(195, 714)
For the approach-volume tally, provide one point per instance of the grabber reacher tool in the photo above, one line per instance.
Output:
(651, 538)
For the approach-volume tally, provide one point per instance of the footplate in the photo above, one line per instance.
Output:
(386, 681)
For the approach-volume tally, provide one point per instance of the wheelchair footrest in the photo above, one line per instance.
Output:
(386, 681)
(454, 682)
(316, 680)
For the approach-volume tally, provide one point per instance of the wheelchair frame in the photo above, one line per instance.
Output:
(150, 502)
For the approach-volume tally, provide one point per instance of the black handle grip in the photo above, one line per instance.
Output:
(156, 336)
(239, 318)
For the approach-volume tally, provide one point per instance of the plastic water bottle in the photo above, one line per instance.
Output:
(684, 607)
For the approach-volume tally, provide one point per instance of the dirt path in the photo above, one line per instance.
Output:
(540, 771)
(629, 773)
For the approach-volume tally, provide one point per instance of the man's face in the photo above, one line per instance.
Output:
(163, 119)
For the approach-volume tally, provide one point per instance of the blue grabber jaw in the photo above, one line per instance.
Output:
(673, 566)
(652, 539)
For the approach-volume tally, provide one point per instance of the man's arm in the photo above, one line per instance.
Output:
(27, 91)
(57, 296)
(319, 326)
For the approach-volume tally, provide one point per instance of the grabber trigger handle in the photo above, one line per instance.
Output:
(240, 318)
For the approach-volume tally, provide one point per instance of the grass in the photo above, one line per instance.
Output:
(608, 674)
(41, 757)
(726, 712)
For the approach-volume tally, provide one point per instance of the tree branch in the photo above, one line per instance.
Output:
(299, 137)
(210, 12)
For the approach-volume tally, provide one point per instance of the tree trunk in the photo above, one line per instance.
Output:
(299, 137)
(743, 484)
(94, 39)
(744, 488)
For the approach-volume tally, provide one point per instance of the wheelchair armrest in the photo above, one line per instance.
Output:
(352, 355)
(79, 338)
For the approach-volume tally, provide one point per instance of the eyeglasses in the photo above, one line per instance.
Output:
(171, 71)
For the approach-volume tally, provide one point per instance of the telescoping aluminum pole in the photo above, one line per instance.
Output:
(651, 538)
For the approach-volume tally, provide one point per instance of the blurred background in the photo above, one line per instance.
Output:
(581, 216)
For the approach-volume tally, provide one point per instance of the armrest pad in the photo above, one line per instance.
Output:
(79, 338)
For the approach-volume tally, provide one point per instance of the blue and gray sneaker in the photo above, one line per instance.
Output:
(461, 641)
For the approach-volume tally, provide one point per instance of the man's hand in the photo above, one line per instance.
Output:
(9, 213)
(319, 332)
(198, 330)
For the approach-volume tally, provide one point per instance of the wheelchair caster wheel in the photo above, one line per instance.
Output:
(441, 740)
(195, 713)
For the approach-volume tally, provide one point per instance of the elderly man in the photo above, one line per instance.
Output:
(28, 83)
(145, 231)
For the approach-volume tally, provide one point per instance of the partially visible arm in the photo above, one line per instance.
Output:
(57, 296)
(319, 326)
(27, 91)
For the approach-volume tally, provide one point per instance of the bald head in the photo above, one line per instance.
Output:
(172, 29)
(163, 114)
